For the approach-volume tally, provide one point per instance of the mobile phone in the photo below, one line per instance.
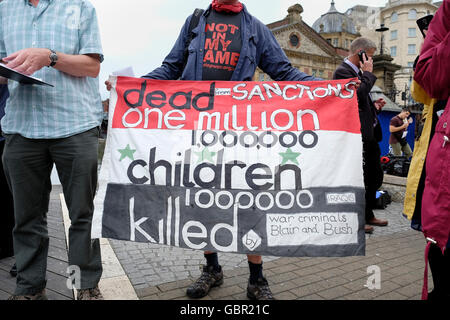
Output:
(360, 55)
(423, 24)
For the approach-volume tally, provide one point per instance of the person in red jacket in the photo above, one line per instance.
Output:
(433, 74)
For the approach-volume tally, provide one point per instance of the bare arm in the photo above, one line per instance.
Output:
(78, 65)
(393, 129)
(28, 61)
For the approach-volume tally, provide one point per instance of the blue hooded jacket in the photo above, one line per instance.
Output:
(259, 49)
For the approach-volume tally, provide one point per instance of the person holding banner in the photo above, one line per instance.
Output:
(360, 64)
(233, 57)
(57, 125)
(7, 215)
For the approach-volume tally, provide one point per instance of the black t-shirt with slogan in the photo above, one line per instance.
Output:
(223, 44)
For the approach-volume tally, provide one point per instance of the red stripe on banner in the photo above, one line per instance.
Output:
(237, 106)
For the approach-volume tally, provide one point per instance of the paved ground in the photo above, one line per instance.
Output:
(158, 272)
(163, 273)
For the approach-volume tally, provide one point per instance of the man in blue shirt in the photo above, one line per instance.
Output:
(58, 42)
(7, 215)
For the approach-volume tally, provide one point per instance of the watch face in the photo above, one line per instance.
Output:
(53, 57)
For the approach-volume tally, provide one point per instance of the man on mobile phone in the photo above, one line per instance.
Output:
(399, 130)
(360, 64)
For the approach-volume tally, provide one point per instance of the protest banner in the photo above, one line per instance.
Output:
(270, 168)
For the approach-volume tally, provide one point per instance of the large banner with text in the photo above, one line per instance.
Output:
(269, 168)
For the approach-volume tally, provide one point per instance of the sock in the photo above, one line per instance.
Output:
(212, 260)
(255, 272)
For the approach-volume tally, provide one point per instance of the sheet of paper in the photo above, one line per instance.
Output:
(126, 72)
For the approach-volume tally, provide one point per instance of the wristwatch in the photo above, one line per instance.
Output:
(53, 58)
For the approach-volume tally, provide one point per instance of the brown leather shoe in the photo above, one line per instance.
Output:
(38, 296)
(377, 222)
(90, 294)
(368, 229)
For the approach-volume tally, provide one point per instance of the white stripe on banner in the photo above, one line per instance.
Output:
(317, 164)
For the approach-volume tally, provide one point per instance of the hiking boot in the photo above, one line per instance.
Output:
(209, 279)
(259, 291)
(38, 296)
(90, 294)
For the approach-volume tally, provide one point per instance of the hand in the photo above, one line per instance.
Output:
(28, 61)
(367, 64)
(379, 104)
(108, 85)
(354, 85)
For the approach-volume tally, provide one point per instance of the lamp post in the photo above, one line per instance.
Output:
(382, 29)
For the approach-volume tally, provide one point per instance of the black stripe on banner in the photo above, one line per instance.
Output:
(316, 222)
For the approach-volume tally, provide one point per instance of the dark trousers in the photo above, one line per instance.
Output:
(440, 270)
(6, 214)
(373, 175)
(28, 164)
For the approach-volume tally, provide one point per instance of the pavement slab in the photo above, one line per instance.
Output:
(155, 272)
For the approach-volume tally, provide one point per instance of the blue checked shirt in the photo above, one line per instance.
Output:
(74, 104)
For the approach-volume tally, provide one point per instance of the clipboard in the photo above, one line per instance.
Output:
(20, 77)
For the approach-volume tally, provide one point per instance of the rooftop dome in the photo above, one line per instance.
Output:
(334, 21)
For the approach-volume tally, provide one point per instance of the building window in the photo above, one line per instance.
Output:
(314, 72)
(412, 14)
(410, 64)
(411, 49)
(329, 41)
(294, 40)
(320, 73)
(336, 42)
(393, 51)
(394, 35)
(394, 17)
(412, 32)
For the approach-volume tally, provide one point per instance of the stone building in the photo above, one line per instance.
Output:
(337, 28)
(366, 20)
(404, 38)
(305, 48)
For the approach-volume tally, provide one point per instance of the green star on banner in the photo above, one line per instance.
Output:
(126, 153)
(205, 155)
(290, 156)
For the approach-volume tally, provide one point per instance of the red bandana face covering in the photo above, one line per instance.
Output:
(221, 7)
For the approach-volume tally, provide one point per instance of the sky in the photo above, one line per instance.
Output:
(140, 33)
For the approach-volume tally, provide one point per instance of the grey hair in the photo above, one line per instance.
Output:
(362, 44)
